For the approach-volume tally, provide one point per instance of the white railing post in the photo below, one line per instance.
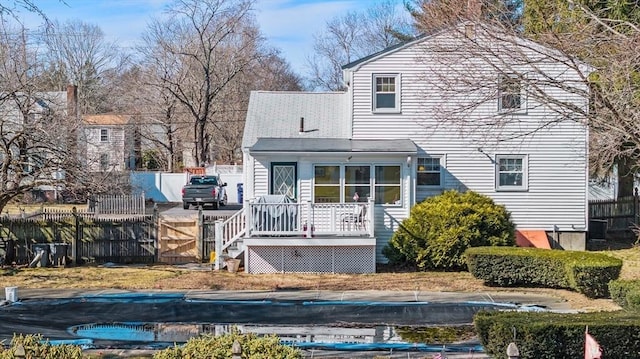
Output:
(218, 240)
(309, 223)
(248, 220)
(370, 217)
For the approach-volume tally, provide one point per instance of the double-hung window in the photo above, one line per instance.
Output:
(429, 172)
(510, 94)
(327, 184)
(387, 184)
(386, 93)
(104, 135)
(511, 172)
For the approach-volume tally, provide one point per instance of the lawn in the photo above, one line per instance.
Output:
(163, 277)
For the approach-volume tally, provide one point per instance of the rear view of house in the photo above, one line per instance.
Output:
(464, 108)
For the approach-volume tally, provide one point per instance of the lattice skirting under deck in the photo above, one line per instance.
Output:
(311, 259)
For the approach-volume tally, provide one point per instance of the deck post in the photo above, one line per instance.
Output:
(248, 221)
(309, 223)
(218, 241)
(370, 218)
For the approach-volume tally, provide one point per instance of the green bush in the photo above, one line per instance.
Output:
(219, 347)
(626, 293)
(555, 335)
(35, 347)
(441, 228)
(585, 272)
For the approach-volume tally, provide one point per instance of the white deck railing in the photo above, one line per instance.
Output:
(309, 219)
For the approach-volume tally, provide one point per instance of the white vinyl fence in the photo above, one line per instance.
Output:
(167, 187)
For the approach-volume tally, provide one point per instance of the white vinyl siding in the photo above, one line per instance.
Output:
(556, 155)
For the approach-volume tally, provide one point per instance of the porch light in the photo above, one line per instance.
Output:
(408, 161)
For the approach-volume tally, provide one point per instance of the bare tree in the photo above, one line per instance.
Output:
(11, 8)
(78, 53)
(36, 143)
(209, 43)
(602, 50)
(353, 36)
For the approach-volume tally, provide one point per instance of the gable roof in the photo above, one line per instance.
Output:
(459, 27)
(106, 119)
(276, 114)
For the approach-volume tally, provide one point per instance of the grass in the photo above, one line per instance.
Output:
(164, 277)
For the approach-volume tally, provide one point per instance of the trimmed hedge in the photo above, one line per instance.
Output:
(626, 293)
(585, 272)
(554, 335)
(440, 228)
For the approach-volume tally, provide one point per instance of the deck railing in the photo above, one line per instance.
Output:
(309, 219)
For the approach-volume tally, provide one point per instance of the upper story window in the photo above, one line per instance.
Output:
(386, 93)
(429, 172)
(510, 94)
(104, 135)
(511, 172)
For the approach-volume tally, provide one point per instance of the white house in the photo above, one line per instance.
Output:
(463, 108)
(109, 142)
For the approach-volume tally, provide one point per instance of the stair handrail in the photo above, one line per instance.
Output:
(233, 229)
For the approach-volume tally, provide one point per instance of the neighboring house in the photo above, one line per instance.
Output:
(110, 143)
(15, 110)
(362, 158)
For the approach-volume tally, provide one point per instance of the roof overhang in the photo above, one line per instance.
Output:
(310, 146)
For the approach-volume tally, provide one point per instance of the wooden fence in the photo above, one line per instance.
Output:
(119, 205)
(620, 216)
(84, 236)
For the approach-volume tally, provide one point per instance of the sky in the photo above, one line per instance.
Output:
(288, 25)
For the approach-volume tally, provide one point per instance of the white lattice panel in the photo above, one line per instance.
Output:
(357, 259)
(311, 259)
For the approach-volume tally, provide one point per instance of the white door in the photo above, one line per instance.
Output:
(284, 179)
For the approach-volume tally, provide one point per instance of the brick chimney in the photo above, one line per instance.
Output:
(474, 10)
(72, 101)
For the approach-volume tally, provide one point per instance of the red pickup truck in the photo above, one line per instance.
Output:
(203, 190)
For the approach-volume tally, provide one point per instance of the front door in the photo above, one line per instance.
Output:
(284, 179)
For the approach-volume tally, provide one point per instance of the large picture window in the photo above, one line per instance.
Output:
(386, 93)
(357, 183)
(511, 172)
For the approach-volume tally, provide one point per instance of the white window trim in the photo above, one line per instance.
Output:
(525, 174)
(374, 108)
(372, 181)
(441, 159)
(522, 110)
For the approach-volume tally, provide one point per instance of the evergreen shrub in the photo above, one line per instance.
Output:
(36, 347)
(220, 347)
(441, 228)
(626, 293)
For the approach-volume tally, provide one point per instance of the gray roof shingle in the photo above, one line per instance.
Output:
(276, 114)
